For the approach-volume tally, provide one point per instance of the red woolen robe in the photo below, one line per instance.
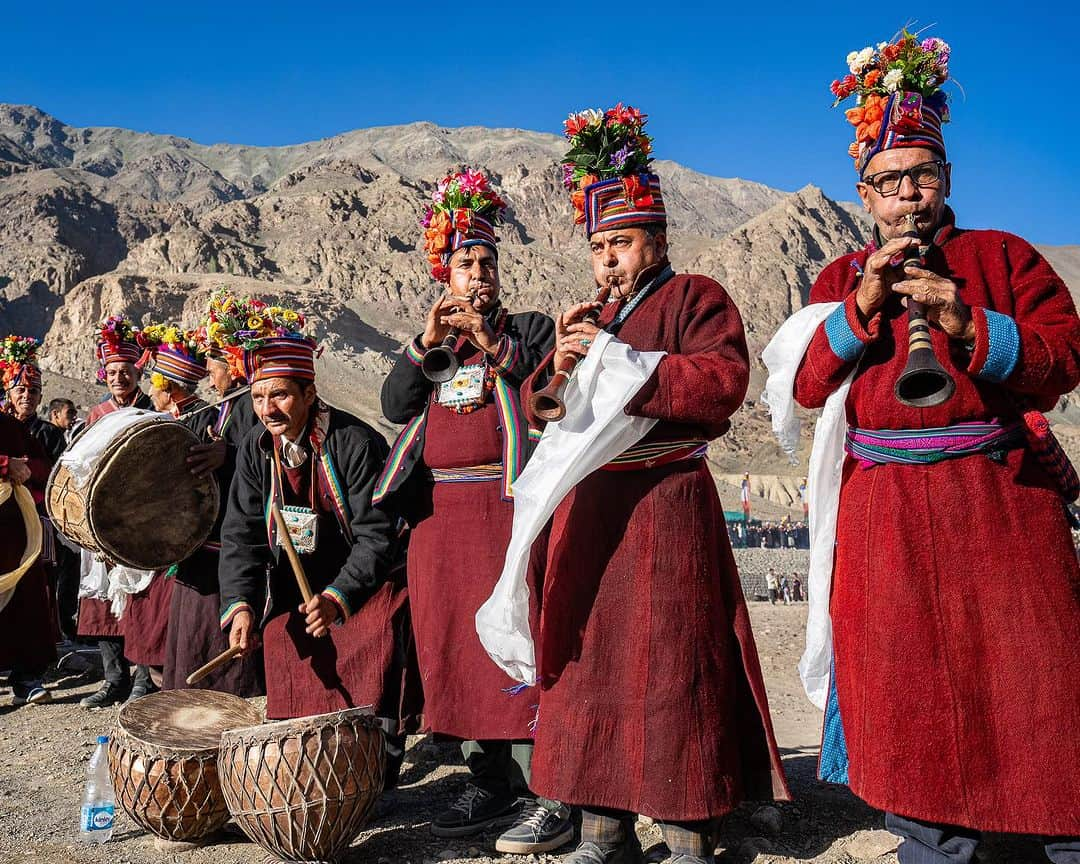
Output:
(95, 616)
(652, 699)
(956, 592)
(27, 622)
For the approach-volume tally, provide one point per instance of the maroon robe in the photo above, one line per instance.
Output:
(145, 622)
(356, 665)
(96, 620)
(652, 699)
(456, 552)
(27, 623)
(956, 592)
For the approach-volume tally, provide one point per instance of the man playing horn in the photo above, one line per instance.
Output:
(451, 472)
(952, 710)
(651, 697)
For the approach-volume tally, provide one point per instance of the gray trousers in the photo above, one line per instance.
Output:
(929, 843)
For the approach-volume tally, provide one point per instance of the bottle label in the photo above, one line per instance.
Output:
(98, 818)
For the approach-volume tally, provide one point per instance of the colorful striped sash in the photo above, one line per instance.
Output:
(658, 453)
(468, 474)
(927, 446)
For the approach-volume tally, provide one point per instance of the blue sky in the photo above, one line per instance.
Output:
(735, 94)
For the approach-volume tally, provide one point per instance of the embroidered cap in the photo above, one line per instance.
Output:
(464, 212)
(19, 362)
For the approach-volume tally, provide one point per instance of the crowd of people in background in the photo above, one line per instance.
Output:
(769, 535)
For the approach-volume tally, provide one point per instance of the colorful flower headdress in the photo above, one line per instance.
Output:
(177, 355)
(899, 100)
(465, 210)
(245, 322)
(19, 361)
(606, 169)
(116, 341)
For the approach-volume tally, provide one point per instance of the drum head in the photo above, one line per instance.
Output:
(147, 510)
(187, 720)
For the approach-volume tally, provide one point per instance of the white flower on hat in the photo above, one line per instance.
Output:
(881, 46)
(859, 60)
(893, 79)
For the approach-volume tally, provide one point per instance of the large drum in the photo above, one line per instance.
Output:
(123, 490)
(302, 788)
(163, 759)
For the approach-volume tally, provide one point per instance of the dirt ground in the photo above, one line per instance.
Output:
(44, 752)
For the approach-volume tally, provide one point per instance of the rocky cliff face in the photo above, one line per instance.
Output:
(99, 221)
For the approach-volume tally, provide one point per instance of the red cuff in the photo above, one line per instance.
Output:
(3, 467)
(851, 312)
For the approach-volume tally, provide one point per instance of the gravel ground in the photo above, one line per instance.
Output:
(44, 752)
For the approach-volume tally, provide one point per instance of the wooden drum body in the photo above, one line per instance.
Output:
(163, 759)
(302, 788)
(124, 490)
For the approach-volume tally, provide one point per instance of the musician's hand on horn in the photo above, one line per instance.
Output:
(880, 275)
(242, 633)
(321, 613)
(941, 297)
(573, 335)
(472, 325)
(204, 459)
(18, 471)
(435, 327)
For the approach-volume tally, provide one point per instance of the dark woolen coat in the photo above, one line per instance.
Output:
(956, 592)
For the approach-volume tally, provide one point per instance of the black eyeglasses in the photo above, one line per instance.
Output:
(924, 174)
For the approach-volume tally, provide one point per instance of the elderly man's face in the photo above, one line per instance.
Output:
(283, 405)
(161, 399)
(220, 376)
(619, 255)
(926, 202)
(25, 399)
(474, 272)
(121, 378)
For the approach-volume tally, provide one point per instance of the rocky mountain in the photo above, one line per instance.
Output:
(96, 221)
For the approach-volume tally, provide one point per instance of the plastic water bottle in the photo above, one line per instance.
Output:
(99, 799)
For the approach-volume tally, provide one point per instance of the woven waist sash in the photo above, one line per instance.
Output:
(927, 446)
(659, 453)
(468, 474)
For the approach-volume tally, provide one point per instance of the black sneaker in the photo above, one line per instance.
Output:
(475, 810)
(30, 694)
(140, 690)
(538, 828)
(109, 694)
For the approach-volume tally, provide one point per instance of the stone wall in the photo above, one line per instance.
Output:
(754, 564)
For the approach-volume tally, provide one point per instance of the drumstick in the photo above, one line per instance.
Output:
(219, 661)
(290, 550)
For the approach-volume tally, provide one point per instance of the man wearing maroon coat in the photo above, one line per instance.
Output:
(651, 695)
(117, 354)
(452, 469)
(954, 711)
(27, 644)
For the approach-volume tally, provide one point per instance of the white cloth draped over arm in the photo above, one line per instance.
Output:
(783, 356)
(593, 432)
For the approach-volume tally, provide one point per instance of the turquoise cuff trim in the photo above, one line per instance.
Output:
(1003, 351)
(842, 339)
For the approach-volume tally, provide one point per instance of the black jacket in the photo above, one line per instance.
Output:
(354, 568)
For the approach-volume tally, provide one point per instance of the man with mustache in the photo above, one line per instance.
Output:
(651, 697)
(27, 646)
(118, 353)
(319, 465)
(954, 711)
(194, 634)
(450, 472)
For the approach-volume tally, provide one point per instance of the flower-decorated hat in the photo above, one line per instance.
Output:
(116, 342)
(899, 100)
(216, 334)
(19, 362)
(464, 212)
(607, 172)
(176, 355)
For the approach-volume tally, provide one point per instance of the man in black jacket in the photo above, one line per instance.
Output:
(319, 465)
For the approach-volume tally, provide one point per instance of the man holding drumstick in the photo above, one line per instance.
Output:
(318, 465)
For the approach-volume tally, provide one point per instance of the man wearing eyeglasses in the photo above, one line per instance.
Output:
(955, 712)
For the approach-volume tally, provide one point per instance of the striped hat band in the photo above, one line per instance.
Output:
(281, 357)
(623, 202)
